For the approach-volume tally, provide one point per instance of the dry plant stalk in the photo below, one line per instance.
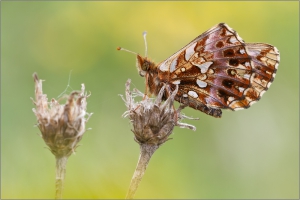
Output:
(153, 122)
(62, 126)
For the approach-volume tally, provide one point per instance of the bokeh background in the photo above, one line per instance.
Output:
(252, 153)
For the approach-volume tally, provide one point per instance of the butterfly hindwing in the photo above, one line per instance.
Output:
(218, 70)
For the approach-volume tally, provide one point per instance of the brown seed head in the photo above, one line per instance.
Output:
(62, 126)
(153, 120)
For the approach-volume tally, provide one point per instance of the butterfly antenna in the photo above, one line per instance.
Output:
(122, 49)
(146, 47)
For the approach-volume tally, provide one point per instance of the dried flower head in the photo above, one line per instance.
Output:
(62, 126)
(153, 120)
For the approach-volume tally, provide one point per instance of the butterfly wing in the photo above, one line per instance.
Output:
(218, 70)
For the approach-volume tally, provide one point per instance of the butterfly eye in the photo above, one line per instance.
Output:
(145, 66)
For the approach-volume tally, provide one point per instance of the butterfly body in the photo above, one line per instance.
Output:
(217, 70)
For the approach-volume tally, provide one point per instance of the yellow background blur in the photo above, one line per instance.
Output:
(252, 153)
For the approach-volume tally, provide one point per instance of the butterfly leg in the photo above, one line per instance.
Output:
(167, 94)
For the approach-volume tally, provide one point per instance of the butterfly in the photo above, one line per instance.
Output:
(217, 70)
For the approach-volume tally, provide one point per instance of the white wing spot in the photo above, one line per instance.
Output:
(230, 98)
(173, 65)
(185, 95)
(241, 89)
(247, 64)
(203, 67)
(233, 39)
(227, 32)
(247, 76)
(238, 108)
(182, 69)
(268, 72)
(252, 102)
(262, 92)
(163, 67)
(277, 52)
(242, 51)
(193, 94)
(176, 82)
(190, 51)
(201, 84)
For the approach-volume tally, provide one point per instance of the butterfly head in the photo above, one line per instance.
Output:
(144, 65)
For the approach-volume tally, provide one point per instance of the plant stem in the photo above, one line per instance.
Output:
(146, 151)
(61, 163)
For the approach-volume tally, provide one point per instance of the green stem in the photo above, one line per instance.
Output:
(146, 151)
(60, 176)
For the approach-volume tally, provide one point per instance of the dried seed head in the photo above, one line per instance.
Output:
(62, 126)
(153, 120)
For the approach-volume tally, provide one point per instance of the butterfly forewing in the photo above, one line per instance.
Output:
(218, 70)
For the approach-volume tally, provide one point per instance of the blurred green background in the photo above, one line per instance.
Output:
(252, 153)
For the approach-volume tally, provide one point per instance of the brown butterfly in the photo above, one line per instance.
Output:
(217, 70)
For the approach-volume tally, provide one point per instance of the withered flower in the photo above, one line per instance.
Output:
(153, 122)
(62, 126)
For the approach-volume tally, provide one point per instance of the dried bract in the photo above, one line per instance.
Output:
(153, 120)
(62, 126)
